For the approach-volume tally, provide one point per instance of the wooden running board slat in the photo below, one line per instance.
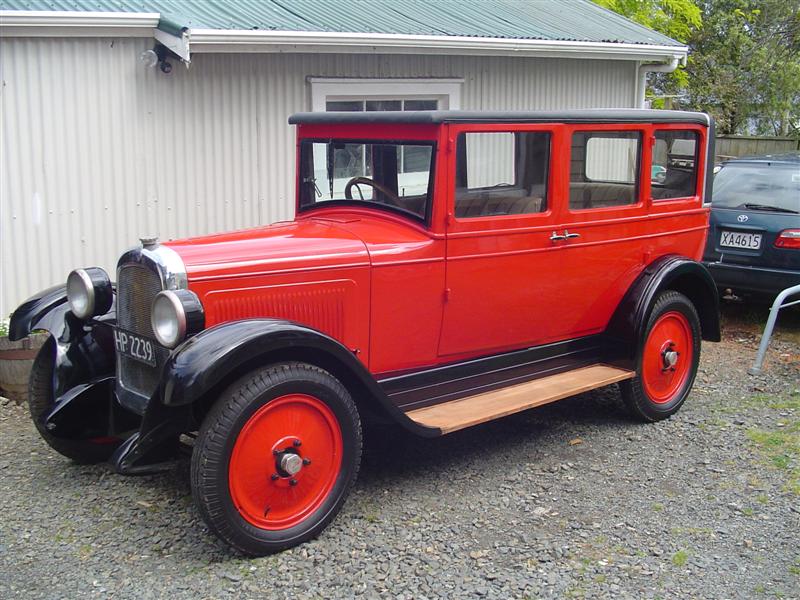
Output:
(465, 412)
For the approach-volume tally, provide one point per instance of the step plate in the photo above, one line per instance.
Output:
(473, 410)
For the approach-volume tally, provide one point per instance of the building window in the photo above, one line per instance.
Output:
(385, 94)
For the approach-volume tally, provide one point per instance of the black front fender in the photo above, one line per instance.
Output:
(83, 350)
(41, 311)
(678, 273)
(213, 356)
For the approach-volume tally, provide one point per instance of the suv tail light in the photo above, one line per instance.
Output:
(788, 238)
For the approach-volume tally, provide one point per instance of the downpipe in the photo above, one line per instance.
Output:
(641, 81)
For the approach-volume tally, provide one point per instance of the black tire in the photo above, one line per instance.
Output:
(245, 402)
(638, 400)
(40, 400)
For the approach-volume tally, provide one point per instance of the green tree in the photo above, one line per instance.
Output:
(678, 19)
(744, 59)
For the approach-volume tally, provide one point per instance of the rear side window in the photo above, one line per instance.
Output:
(604, 169)
(501, 173)
(674, 170)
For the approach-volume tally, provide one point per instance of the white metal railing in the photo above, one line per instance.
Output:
(773, 316)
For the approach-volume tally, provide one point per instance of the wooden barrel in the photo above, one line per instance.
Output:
(16, 359)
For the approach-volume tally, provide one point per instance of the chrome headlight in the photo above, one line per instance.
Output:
(89, 292)
(175, 315)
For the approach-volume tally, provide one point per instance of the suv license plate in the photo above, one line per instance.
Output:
(737, 239)
(135, 347)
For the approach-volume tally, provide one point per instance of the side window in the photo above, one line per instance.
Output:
(501, 173)
(674, 170)
(604, 169)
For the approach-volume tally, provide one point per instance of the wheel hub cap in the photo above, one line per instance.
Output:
(291, 463)
(667, 357)
(279, 486)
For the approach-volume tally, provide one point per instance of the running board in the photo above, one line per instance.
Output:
(473, 410)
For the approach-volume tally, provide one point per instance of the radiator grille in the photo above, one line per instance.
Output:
(137, 286)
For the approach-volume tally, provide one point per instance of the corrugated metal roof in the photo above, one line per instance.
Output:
(553, 20)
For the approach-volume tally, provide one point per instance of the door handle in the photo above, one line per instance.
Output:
(557, 237)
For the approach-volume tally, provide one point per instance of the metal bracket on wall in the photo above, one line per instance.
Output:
(178, 44)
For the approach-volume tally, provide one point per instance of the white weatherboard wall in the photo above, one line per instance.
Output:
(98, 150)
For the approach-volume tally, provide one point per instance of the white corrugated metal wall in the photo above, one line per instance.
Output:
(98, 150)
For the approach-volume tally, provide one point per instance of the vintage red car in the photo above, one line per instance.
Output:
(444, 269)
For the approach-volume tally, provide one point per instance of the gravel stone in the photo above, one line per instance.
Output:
(686, 508)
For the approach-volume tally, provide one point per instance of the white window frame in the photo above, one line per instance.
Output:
(324, 89)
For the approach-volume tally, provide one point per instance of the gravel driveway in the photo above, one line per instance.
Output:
(570, 500)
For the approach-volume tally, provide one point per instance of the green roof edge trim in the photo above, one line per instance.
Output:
(170, 26)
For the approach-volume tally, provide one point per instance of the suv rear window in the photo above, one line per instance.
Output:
(604, 169)
(758, 187)
(501, 173)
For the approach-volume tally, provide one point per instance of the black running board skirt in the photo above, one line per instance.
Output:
(476, 376)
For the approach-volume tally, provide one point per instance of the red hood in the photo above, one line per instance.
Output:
(283, 246)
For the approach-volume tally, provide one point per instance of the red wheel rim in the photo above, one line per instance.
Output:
(268, 496)
(668, 357)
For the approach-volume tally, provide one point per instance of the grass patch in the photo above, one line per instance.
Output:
(680, 557)
(658, 507)
(781, 450)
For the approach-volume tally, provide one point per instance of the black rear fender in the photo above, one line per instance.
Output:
(626, 328)
(199, 370)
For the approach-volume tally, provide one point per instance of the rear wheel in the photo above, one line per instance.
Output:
(667, 364)
(276, 457)
(40, 400)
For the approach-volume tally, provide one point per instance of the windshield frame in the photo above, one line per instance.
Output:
(424, 219)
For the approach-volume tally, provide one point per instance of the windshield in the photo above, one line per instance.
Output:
(393, 175)
(755, 187)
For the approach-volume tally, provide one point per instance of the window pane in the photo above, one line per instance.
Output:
(421, 105)
(344, 105)
(501, 173)
(416, 159)
(604, 169)
(674, 170)
(342, 170)
(373, 105)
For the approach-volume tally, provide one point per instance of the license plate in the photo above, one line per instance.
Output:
(135, 347)
(737, 239)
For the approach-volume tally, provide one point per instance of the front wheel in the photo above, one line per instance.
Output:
(40, 401)
(668, 360)
(276, 457)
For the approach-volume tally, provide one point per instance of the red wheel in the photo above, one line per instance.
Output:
(668, 359)
(276, 457)
(285, 461)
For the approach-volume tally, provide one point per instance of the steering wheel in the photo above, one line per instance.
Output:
(356, 181)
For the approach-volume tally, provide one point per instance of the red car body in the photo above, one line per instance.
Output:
(404, 295)
(492, 262)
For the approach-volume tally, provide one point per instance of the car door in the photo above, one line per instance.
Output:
(611, 240)
(503, 272)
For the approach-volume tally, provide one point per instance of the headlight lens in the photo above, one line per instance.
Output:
(168, 319)
(89, 292)
(175, 315)
(80, 293)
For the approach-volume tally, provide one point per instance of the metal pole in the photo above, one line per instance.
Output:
(773, 316)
